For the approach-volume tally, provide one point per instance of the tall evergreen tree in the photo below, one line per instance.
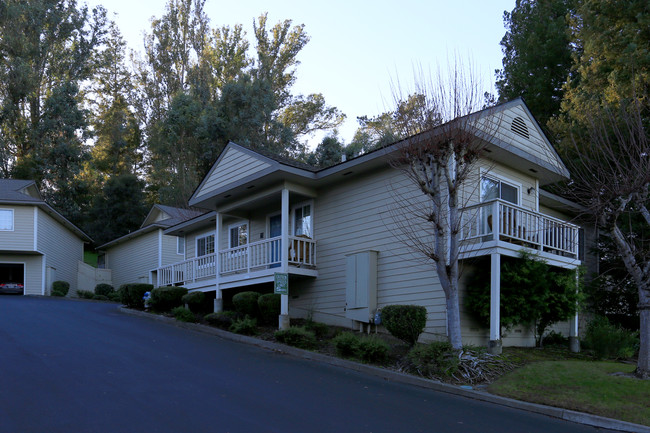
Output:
(537, 54)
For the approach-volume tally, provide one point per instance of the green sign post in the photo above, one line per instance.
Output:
(281, 285)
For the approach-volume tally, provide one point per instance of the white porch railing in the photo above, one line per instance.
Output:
(518, 225)
(253, 256)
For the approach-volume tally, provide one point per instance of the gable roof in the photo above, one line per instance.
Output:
(159, 217)
(25, 192)
(513, 136)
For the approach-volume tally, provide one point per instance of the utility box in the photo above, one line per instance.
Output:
(361, 285)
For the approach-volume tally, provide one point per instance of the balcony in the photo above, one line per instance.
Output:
(256, 262)
(501, 224)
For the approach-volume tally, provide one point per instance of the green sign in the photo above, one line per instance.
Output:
(281, 285)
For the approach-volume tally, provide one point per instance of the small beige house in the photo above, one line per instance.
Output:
(336, 231)
(37, 244)
(134, 257)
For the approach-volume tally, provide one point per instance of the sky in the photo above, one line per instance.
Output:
(357, 48)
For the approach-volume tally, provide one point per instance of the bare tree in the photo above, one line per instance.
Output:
(445, 133)
(611, 178)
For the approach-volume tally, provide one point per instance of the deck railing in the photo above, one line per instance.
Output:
(518, 225)
(253, 256)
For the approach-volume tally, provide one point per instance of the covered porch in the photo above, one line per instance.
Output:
(498, 228)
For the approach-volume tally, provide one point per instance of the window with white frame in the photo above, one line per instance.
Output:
(6, 219)
(303, 221)
(204, 245)
(238, 235)
(180, 245)
(493, 188)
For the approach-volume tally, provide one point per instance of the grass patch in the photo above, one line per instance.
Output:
(584, 386)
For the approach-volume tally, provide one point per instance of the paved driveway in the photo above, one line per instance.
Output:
(72, 366)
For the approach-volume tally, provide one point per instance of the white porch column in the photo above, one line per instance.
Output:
(494, 345)
(574, 341)
(284, 257)
(218, 300)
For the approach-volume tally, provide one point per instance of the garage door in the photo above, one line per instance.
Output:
(12, 278)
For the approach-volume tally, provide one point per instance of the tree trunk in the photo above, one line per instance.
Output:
(453, 319)
(643, 364)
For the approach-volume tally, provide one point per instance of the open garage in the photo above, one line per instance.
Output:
(12, 278)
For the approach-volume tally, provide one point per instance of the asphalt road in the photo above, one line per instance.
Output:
(72, 366)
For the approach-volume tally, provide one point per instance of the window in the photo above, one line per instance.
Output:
(302, 222)
(494, 188)
(204, 245)
(6, 219)
(238, 235)
(180, 245)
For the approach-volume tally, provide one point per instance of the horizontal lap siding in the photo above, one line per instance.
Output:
(63, 250)
(169, 250)
(234, 165)
(522, 180)
(355, 216)
(22, 236)
(33, 268)
(131, 261)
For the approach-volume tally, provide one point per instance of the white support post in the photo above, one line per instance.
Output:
(284, 257)
(574, 341)
(494, 345)
(218, 300)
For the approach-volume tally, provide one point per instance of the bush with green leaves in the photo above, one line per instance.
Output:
(104, 289)
(372, 349)
(609, 341)
(246, 303)
(183, 314)
(100, 298)
(131, 294)
(114, 296)
(222, 319)
(321, 330)
(245, 326)
(533, 294)
(405, 322)
(435, 359)
(85, 294)
(297, 336)
(194, 300)
(60, 288)
(346, 344)
(269, 307)
(164, 299)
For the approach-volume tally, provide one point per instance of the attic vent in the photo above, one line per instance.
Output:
(519, 127)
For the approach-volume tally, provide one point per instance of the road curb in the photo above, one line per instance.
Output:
(564, 414)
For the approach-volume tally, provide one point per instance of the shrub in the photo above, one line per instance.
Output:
(297, 336)
(405, 322)
(245, 326)
(85, 294)
(269, 307)
(434, 359)
(610, 341)
(222, 319)
(104, 289)
(194, 300)
(100, 298)
(164, 299)
(321, 330)
(555, 339)
(372, 349)
(183, 314)
(114, 296)
(346, 344)
(131, 294)
(246, 303)
(60, 288)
